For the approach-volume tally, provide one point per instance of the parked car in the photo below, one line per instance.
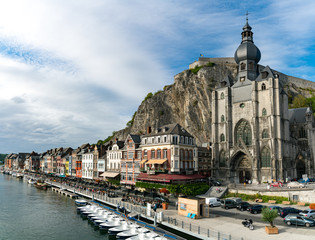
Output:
(288, 210)
(213, 202)
(276, 184)
(275, 208)
(228, 203)
(295, 184)
(243, 206)
(214, 182)
(304, 180)
(297, 219)
(236, 199)
(255, 208)
(309, 213)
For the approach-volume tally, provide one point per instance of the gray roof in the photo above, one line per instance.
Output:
(174, 128)
(269, 74)
(135, 138)
(297, 115)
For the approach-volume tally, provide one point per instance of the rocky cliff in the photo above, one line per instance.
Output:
(188, 101)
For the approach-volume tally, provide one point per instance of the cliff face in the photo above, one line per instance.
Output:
(187, 102)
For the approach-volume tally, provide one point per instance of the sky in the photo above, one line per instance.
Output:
(74, 71)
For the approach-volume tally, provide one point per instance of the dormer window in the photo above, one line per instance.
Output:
(264, 74)
(242, 79)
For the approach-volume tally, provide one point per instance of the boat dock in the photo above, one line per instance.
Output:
(64, 192)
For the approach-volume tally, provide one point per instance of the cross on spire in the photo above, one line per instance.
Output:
(247, 16)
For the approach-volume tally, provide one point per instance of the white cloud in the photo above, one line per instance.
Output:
(74, 71)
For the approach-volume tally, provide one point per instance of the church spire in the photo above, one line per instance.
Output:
(247, 34)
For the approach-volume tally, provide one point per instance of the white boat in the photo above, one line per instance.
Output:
(125, 226)
(81, 202)
(13, 174)
(103, 219)
(31, 181)
(110, 224)
(132, 232)
(85, 213)
(19, 175)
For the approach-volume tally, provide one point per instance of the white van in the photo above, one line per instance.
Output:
(213, 202)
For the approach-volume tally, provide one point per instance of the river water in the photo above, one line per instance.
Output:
(30, 213)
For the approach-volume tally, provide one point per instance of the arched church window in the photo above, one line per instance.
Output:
(264, 112)
(222, 159)
(244, 132)
(222, 138)
(265, 134)
(265, 157)
(263, 86)
(302, 132)
(243, 66)
(222, 95)
(222, 118)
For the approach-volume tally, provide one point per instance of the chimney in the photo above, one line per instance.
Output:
(149, 130)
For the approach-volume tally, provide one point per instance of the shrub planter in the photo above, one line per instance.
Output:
(271, 230)
(164, 205)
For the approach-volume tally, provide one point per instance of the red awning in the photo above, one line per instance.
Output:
(168, 177)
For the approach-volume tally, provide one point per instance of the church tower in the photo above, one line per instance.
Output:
(247, 56)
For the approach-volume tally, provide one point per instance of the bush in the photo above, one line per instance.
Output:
(196, 69)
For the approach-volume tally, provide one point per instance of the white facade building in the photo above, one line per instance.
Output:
(87, 165)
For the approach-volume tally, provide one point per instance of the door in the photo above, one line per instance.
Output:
(201, 210)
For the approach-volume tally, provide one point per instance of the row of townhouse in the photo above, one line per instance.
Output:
(166, 155)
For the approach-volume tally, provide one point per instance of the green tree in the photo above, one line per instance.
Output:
(269, 215)
(299, 101)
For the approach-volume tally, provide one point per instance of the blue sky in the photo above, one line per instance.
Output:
(71, 72)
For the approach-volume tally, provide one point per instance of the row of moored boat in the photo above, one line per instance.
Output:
(115, 224)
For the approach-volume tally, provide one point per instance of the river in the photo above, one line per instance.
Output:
(29, 213)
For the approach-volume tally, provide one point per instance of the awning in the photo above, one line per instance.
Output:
(109, 174)
(156, 161)
(143, 161)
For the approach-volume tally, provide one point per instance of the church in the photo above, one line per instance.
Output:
(255, 136)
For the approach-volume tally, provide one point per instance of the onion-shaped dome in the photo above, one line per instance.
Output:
(247, 50)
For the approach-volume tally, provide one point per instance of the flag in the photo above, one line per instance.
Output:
(201, 55)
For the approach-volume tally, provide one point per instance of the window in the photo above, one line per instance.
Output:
(243, 131)
(130, 144)
(242, 105)
(251, 66)
(222, 159)
(181, 154)
(159, 153)
(145, 141)
(145, 153)
(222, 96)
(302, 132)
(263, 86)
(264, 112)
(159, 139)
(242, 79)
(130, 155)
(265, 134)
(152, 154)
(265, 157)
(264, 74)
(222, 118)
(222, 138)
(164, 153)
(164, 138)
(243, 66)
(175, 139)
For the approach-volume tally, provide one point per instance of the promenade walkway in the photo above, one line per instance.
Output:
(212, 227)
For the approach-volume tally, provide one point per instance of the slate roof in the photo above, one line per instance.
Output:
(173, 128)
(297, 115)
(135, 138)
(269, 71)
